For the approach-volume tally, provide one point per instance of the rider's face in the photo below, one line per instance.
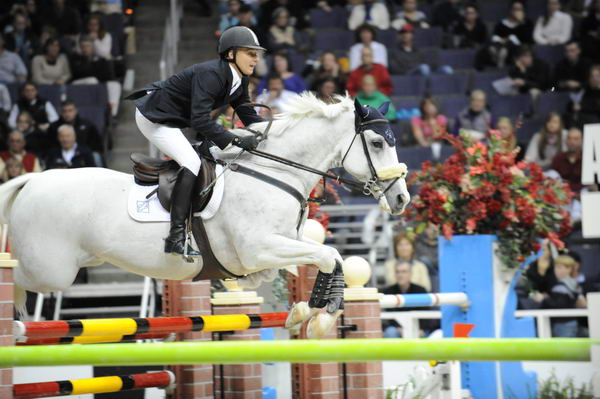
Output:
(247, 60)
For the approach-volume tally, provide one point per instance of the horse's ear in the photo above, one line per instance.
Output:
(359, 109)
(383, 108)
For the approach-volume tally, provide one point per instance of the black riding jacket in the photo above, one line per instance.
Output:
(187, 98)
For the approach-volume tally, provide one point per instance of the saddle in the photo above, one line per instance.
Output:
(150, 171)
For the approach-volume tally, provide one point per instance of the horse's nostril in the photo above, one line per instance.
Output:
(401, 198)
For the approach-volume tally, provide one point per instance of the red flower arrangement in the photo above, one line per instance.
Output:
(317, 194)
(482, 190)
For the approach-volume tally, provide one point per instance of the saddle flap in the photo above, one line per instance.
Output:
(148, 163)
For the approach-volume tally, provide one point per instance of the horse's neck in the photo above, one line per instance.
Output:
(311, 142)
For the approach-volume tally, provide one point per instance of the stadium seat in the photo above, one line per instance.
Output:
(450, 106)
(51, 93)
(483, 81)
(457, 58)
(535, 9)
(448, 84)
(96, 115)
(337, 18)
(493, 10)
(409, 85)
(413, 157)
(552, 102)
(88, 95)
(511, 106)
(549, 54)
(328, 39)
(528, 128)
(387, 37)
(430, 37)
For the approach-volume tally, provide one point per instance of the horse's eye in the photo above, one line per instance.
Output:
(378, 144)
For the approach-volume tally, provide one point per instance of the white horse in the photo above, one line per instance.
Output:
(62, 220)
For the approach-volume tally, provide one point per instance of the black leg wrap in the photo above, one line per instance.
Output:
(320, 292)
(335, 301)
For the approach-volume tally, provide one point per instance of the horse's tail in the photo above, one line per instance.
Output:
(8, 192)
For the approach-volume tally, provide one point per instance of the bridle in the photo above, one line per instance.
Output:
(372, 186)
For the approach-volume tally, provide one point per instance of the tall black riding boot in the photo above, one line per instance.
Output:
(180, 208)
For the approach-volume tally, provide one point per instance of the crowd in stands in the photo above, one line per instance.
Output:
(61, 66)
(528, 68)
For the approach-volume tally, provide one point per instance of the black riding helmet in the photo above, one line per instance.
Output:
(237, 37)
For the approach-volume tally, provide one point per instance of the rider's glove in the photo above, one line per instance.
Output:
(245, 142)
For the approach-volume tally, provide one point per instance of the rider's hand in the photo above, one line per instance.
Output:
(245, 142)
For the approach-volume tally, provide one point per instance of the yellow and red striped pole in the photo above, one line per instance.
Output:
(136, 326)
(161, 379)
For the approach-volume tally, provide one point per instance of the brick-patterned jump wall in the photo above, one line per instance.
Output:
(6, 319)
(238, 381)
(314, 381)
(189, 298)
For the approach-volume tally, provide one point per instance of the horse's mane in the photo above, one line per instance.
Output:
(301, 106)
(307, 104)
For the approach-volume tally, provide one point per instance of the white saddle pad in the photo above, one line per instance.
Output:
(150, 210)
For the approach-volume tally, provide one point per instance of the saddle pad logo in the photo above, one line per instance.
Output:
(143, 206)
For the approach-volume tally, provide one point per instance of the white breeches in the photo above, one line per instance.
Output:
(170, 141)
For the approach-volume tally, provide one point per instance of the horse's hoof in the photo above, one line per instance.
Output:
(298, 313)
(321, 324)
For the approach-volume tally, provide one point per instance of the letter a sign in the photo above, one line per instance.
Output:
(590, 174)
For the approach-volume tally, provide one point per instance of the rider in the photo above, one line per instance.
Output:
(186, 100)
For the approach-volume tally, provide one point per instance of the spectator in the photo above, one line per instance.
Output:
(554, 27)
(229, 18)
(86, 132)
(568, 163)
(588, 109)
(368, 66)
(426, 248)
(475, 118)
(51, 67)
(282, 34)
(509, 34)
(369, 95)
(20, 39)
(507, 133)
(540, 272)
(369, 12)
(36, 21)
(12, 68)
(69, 154)
(571, 72)
(403, 285)
(41, 110)
(64, 19)
(529, 75)
(548, 142)
(276, 94)
(36, 141)
(471, 31)
(410, 15)
(16, 150)
(94, 28)
(404, 251)
(326, 89)
(282, 68)
(88, 68)
(246, 18)
(447, 14)
(428, 127)
(366, 37)
(328, 67)
(407, 60)
(5, 104)
(564, 294)
(590, 33)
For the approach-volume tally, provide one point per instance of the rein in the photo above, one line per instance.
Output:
(370, 187)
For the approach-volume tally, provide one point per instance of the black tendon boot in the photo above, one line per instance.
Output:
(180, 208)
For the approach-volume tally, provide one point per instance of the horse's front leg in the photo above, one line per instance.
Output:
(328, 290)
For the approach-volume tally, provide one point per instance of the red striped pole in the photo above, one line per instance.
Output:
(161, 379)
(91, 340)
(154, 325)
